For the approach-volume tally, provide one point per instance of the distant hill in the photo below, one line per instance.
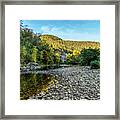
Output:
(58, 43)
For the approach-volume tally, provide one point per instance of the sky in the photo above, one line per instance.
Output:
(76, 30)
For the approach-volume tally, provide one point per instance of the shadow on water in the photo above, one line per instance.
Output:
(32, 84)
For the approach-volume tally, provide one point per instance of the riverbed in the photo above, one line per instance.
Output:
(69, 83)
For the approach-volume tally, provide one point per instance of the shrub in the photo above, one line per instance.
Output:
(95, 64)
(88, 55)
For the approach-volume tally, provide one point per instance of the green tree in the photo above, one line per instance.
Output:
(69, 58)
(95, 64)
(34, 54)
(40, 57)
(50, 54)
(88, 55)
(23, 53)
(26, 36)
(29, 42)
(57, 58)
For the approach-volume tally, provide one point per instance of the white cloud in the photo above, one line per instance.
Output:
(50, 29)
(55, 30)
(45, 29)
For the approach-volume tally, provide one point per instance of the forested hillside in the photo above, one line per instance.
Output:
(58, 43)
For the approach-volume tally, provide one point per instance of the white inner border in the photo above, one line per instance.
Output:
(104, 13)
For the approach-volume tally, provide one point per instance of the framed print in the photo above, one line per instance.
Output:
(60, 60)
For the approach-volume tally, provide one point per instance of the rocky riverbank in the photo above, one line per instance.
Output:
(74, 83)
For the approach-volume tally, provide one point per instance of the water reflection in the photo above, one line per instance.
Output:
(32, 84)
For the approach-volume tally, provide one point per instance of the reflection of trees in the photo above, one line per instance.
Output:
(32, 84)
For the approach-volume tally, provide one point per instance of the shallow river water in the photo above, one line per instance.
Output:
(32, 84)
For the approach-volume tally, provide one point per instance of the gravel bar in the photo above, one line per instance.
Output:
(74, 83)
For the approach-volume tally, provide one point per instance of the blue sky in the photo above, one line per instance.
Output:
(77, 30)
